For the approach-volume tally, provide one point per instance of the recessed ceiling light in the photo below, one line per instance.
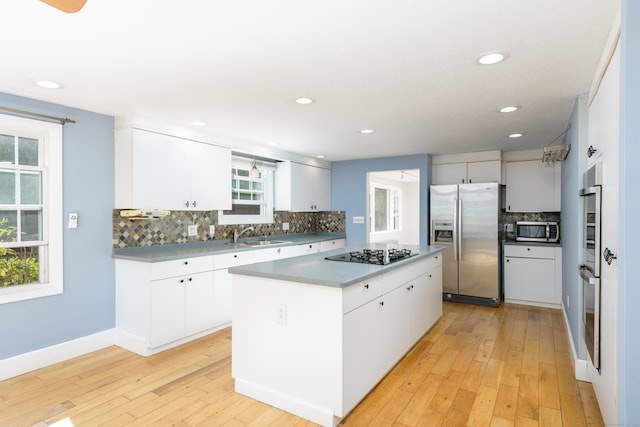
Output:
(509, 109)
(516, 135)
(198, 123)
(320, 156)
(48, 84)
(273, 144)
(492, 58)
(367, 131)
(304, 101)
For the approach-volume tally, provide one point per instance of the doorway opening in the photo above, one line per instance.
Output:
(393, 207)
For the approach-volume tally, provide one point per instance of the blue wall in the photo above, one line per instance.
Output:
(571, 212)
(87, 305)
(629, 252)
(349, 190)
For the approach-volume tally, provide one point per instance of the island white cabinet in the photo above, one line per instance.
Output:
(158, 171)
(302, 187)
(533, 187)
(467, 172)
(533, 275)
(316, 350)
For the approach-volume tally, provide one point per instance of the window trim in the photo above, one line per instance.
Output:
(51, 138)
(391, 188)
(268, 171)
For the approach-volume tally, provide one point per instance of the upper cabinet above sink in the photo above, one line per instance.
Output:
(302, 187)
(159, 171)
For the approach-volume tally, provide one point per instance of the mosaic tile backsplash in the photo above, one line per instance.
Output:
(172, 229)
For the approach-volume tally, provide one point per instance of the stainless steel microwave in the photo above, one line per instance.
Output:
(537, 231)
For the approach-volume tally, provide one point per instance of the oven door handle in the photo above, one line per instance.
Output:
(588, 276)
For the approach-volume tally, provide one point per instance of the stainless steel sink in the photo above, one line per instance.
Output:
(265, 242)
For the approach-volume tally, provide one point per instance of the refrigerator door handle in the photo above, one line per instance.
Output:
(455, 229)
(459, 229)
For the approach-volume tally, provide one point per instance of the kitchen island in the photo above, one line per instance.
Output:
(313, 336)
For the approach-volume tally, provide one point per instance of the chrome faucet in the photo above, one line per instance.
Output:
(236, 235)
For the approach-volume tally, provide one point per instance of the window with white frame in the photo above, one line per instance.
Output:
(30, 208)
(385, 207)
(251, 192)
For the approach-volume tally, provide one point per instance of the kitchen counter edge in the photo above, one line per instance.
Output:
(314, 270)
(162, 253)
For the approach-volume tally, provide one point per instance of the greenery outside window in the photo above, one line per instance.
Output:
(251, 192)
(30, 202)
(386, 208)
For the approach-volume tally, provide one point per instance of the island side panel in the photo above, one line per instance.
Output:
(287, 345)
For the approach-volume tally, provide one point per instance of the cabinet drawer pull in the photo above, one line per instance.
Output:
(235, 255)
(366, 286)
(186, 263)
(381, 303)
(429, 276)
(181, 280)
(190, 279)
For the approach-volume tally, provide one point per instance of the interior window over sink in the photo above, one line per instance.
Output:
(251, 191)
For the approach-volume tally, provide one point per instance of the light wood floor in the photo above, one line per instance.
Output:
(478, 366)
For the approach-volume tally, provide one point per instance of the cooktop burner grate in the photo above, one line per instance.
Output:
(373, 256)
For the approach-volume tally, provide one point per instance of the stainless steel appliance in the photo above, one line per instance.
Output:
(374, 256)
(537, 231)
(590, 269)
(464, 219)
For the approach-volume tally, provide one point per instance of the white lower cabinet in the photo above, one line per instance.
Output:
(179, 307)
(163, 304)
(533, 275)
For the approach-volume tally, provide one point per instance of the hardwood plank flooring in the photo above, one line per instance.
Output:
(478, 366)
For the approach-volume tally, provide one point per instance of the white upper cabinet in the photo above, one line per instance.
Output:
(533, 187)
(158, 171)
(302, 188)
(466, 173)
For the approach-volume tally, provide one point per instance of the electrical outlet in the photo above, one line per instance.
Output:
(212, 230)
(358, 220)
(281, 314)
(192, 230)
(508, 228)
(285, 226)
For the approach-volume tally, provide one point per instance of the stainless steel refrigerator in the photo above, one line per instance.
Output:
(465, 219)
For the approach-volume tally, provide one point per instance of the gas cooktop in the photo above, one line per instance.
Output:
(374, 256)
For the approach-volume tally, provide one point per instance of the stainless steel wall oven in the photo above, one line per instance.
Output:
(591, 195)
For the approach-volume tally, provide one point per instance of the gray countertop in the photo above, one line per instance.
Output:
(214, 247)
(316, 270)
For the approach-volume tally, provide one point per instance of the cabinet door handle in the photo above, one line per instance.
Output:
(186, 204)
(429, 276)
(381, 303)
(181, 280)
(235, 255)
(186, 263)
(528, 249)
(366, 286)
(508, 260)
(190, 279)
(194, 203)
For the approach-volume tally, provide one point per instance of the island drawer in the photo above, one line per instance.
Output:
(400, 276)
(180, 267)
(355, 295)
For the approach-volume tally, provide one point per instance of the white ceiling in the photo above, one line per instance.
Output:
(405, 68)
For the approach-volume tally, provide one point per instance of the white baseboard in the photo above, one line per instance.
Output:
(293, 405)
(27, 362)
(580, 366)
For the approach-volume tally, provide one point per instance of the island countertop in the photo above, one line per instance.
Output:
(316, 270)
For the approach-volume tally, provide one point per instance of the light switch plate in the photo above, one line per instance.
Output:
(73, 221)
(358, 220)
(285, 226)
(192, 230)
(212, 230)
